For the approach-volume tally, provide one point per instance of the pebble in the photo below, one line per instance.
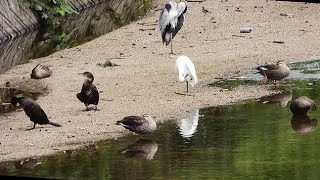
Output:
(245, 30)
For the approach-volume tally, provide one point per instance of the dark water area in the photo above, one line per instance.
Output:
(253, 139)
(76, 29)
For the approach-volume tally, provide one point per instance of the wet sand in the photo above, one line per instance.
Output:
(146, 81)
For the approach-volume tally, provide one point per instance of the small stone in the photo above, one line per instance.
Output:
(245, 30)
(121, 54)
(68, 151)
(71, 135)
(133, 44)
(10, 128)
(150, 33)
(69, 121)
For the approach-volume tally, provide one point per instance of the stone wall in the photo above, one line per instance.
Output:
(100, 18)
(19, 25)
(14, 20)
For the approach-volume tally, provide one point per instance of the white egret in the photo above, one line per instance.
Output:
(186, 70)
(171, 21)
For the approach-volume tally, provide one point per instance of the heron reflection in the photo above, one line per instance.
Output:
(188, 125)
(302, 124)
(142, 149)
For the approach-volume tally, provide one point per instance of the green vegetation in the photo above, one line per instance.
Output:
(52, 38)
(143, 9)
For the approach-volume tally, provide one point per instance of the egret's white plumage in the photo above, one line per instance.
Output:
(171, 20)
(188, 125)
(186, 70)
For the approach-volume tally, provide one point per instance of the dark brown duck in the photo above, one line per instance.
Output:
(138, 124)
(301, 105)
(40, 71)
(274, 72)
(33, 111)
(89, 93)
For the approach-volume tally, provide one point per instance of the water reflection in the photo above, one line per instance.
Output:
(28, 164)
(142, 149)
(303, 124)
(188, 125)
(280, 99)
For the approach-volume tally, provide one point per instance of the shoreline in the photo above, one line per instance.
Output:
(145, 81)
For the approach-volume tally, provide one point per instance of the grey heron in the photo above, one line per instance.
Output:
(171, 21)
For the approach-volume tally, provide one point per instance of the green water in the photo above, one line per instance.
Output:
(255, 139)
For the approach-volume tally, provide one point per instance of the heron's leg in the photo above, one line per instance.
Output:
(187, 86)
(171, 43)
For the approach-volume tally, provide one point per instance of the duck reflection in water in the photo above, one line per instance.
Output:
(280, 99)
(302, 124)
(188, 125)
(142, 149)
(30, 163)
